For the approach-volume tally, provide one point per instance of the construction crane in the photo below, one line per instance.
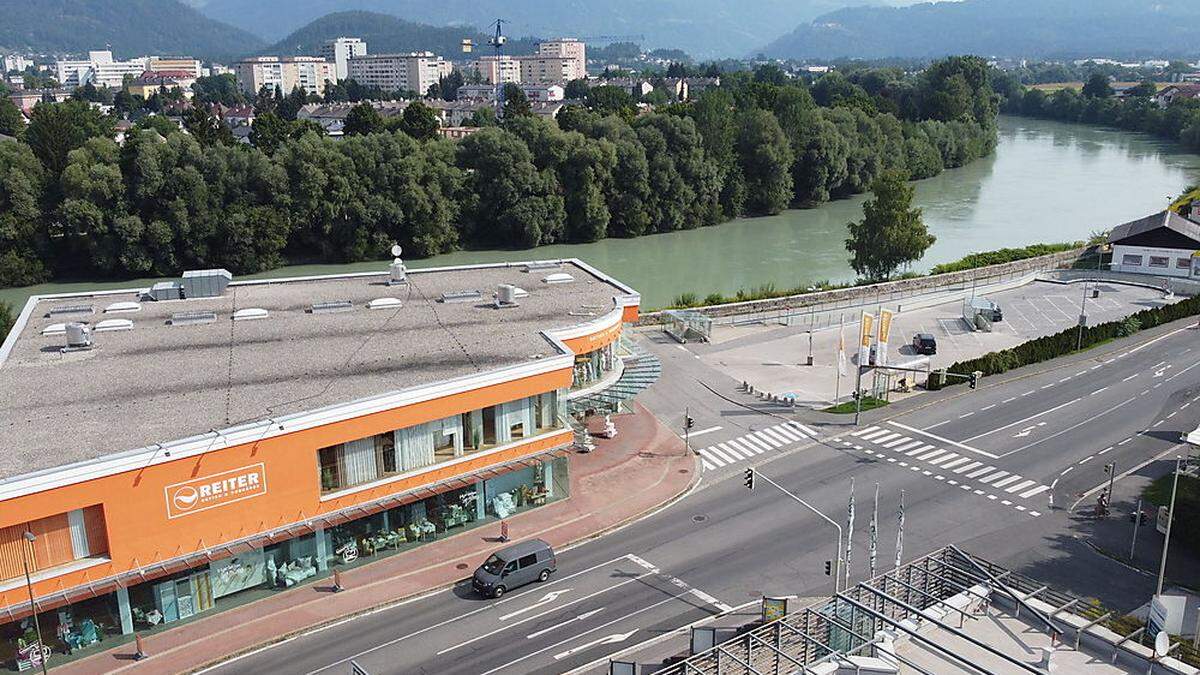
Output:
(497, 41)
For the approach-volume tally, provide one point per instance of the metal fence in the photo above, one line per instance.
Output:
(850, 623)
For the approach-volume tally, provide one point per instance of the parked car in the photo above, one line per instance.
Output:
(514, 566)
(924, 343)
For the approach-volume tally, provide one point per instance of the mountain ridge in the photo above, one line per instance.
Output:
(131, 27)
(998, 28)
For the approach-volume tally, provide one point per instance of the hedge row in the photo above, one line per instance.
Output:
(1065, 342)
(1003, 255)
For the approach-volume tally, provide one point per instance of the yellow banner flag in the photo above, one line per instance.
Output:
(885, 325)
(868, 329)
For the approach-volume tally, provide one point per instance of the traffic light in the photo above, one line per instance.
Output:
(828, 568)
(749, 479)
(1108, 468)
(975, 378)
(689, 421)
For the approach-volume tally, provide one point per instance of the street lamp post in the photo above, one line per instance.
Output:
(37, 626)
(1162, 564)
(837, 573)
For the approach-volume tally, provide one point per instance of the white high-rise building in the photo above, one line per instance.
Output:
(340, 50)
(416, 71)
(570, 48)
(99, 69)
(15, 62)
(498, 69)
(310, 73)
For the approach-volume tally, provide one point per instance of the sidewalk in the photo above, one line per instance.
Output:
(644, 467)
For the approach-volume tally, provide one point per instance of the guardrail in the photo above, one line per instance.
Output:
(1178, 285)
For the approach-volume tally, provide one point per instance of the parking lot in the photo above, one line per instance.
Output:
(772, 358)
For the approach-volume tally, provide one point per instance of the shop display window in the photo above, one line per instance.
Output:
(69, 631)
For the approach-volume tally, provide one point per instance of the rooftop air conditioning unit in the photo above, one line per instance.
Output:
(397, 272)
(506, 295)
(79, 336)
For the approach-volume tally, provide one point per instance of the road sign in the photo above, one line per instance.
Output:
(1164, 516)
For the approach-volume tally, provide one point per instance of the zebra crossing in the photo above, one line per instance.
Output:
(754, 443)
(961, 466)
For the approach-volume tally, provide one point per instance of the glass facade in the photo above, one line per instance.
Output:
(594, 365)
(104, 622)
(392, 453)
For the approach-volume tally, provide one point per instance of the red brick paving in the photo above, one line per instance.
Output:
(644, 467)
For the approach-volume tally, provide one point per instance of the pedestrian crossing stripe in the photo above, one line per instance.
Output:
(754, 443)
(994, 477)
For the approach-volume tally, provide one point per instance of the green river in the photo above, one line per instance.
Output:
(1047, 182)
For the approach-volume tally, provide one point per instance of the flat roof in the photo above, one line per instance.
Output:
(159, 382)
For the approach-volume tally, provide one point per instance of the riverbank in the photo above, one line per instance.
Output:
(1046, 181)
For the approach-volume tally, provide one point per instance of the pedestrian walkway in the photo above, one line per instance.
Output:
(642, 468)
(952, 468)
(755, 443)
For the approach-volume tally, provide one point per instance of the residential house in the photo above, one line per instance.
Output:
(1176, 92)
(151, 82)
(25, 99)
(1164, 244)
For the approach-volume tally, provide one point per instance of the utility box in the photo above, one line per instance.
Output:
(205, 283)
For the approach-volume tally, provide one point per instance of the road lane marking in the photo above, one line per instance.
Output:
(947, 441)
(1009, 400)
(1073, 426)
(771, 433)
(991, 477)
(484, 636)
(980, 472)
(729, 449)
(767, 439)
(1023, 485)
(1034, 492)
(902, 440)
(710, 457)
(807, 430)
(545, 600)
(719, 453)
(787, 432)
(916, 451)
(935, 453)
(426, 629)
(863, 432)
(956, 462)
(582, 617)
(1097, 391)
(745, 446)
(1130, 377)
(1011, 479)
(707, 465)
(1031, 417)
(709, 430)
(885, 438)
(968, 467)
(966, 415)
(938, 424)
(908, 446)
(987, 407)
(938, 461)
(1087, 459)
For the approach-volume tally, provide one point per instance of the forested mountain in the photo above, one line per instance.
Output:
(705, 28)
(1016, 28)
(387, 34)
(131, 27)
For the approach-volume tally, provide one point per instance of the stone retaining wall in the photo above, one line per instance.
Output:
(885, 291)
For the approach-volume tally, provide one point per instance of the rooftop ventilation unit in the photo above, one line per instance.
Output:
(193, 318)
(55, 329)
(113, 324)
(397, 272)
(63, 310)
(461, 296)
(165, 290)
(250, 314)
(385, 303)
(506, 295)
(205, 283)
(122, 308)
(542, 265)
(558, 278)
(331, 307)
(79, 337)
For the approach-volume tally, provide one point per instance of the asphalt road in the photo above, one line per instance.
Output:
(1026, 436)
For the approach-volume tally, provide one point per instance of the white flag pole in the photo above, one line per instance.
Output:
(849, 532)
(900, 531)
(874, 530)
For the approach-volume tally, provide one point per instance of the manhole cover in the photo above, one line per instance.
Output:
(461, 566)
(699, 519)
(685, 471)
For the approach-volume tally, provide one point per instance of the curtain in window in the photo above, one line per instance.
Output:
(453, 425)
(79, 541)
(414, 445)
(359, 459)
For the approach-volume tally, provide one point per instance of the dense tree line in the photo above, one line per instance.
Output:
(1095, 104)
(74, 202)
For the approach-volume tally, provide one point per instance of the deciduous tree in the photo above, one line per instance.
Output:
(891, 233)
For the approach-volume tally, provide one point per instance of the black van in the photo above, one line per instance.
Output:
(514, 566)
(924, 343)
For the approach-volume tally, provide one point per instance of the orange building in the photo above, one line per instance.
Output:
(193, 446)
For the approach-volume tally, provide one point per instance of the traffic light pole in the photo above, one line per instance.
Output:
(837, 574)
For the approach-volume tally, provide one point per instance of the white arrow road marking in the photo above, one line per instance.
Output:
(546, 599)
(581, 617)
(611, 639)
(1026, 431)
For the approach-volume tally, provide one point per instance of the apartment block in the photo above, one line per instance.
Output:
(550, 69)
(99, 69)
(287, 73)
(340, 50)
(569, 48)
(498, 69)
(416, 71)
